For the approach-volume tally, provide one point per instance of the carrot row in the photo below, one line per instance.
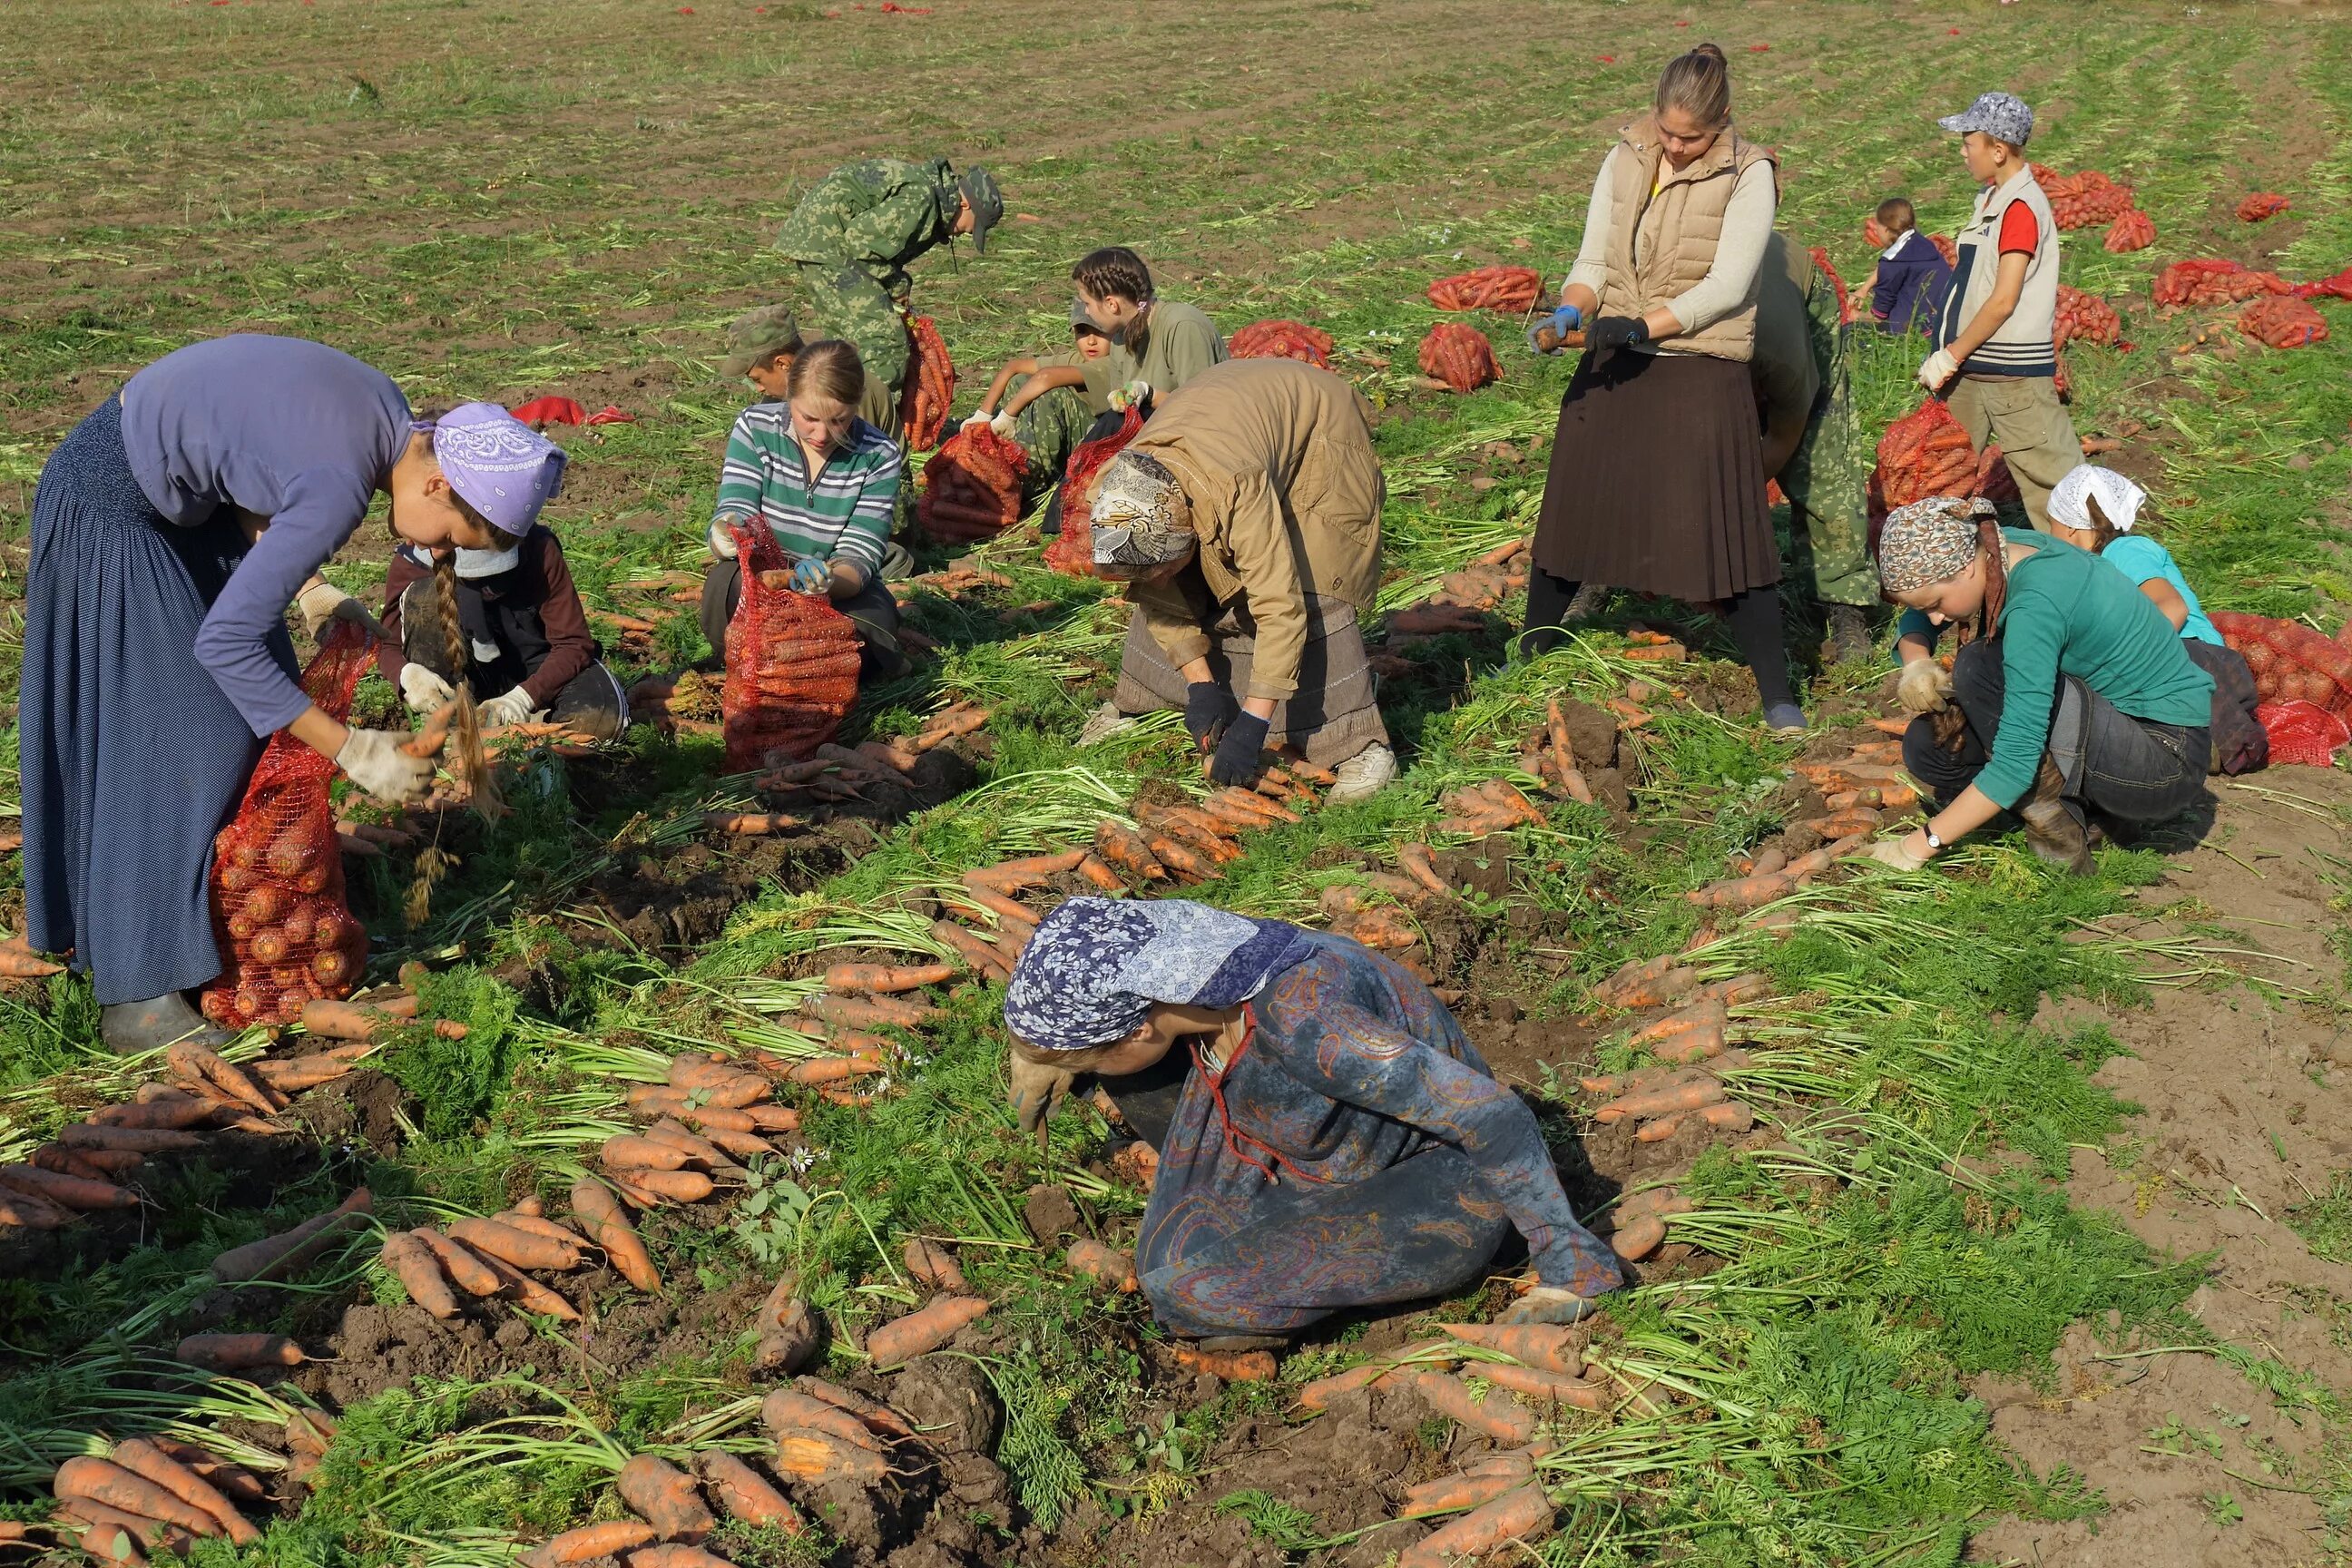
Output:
(154, 1491)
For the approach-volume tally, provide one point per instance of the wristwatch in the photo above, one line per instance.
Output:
(1928, 831)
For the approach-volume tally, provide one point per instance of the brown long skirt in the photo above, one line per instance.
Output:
(1336, 712)
(1657, 482)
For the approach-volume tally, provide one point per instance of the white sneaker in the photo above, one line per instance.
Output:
(1107, 721)
(1366, 773)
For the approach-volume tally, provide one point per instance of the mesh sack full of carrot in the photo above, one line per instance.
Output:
(972, 487)
(2212, 281)
(2261, 205)
(791, 663)
(2086, 317)
(2301, 732)
(2283, 321)
(1282, 340)
(280, 915)
(1072, 552)
(1460, 356)
(2133, 231)
(1488, 289)
(2290, 663)
(1925, 453)
(929, 386)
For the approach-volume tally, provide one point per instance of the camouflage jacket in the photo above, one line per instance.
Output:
(881, 213)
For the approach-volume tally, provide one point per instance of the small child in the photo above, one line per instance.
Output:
(1065, 401)
(764, 343)
(1906, 287)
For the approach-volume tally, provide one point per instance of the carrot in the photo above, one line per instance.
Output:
(1843, 824)
(1659, 1130)
(505, 1244)
(833, 1070)
(1636, 1241)
(788, 1329)
(1092, 867)
(1739, 988)
(1697, 1017)
(711, 1156)
(465, 1268)
(886, 977)
(529, 1293)
(918, 1332)
(773, 1118)
(934, 1266)
(1732, 1116)
(878, 1418)
(174, 1114)
(1698, 1046)
(276, 1257)
(745, 1494)
(1538, 1346)
(293, 1077)
(1195, 830)
(18, 961)
(112, 1545)
(789, 1410)
(609, 1226)
(701, 1069)
(145, 1459)
(675, 1554)
(70, 1191)
(626, 1151)
(977, 955)
(1010, 876)
(1890, 726)
(1544, 1387)
(66, 1162)
(1649, 1200)
(1514, 1516)
(1503, 1417)
(709, 1118)
(1630, 716)
(1415, 861)
(664, 1497)
(1319, 1394)
(419, 1275)
(643, 1197)
(233, 1482)
(821, 1456)
(112, 1486)
(1241, 802)
(1663, 1101)
(206, 1066)
(1125, 851)
(1671, 985)
(1380, 929)
(1434, 620)
(138, 1140)
(1233, 1366)
(589, 1542)
(1639, 1081)
(1184, 863)
(1744, 892)
(123, 1530)
(1451, 1494)
(238, 1352)
(869, 1011)
(1106, 1264)
(671, 1187)
(346, 1020)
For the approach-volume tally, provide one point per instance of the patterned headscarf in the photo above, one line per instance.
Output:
(1928, 541)
(1096, 966)
(1139, 517)
(501, 467)
(2119, 499)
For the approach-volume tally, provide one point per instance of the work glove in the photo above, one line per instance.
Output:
(1037, 1091)
(322, 604)
(1003, 425)
(1615, 332)
(423, 691)
(977, 417)
(810, 576)
(376, 763)
(506, 708)
(1937, 369)
(722, 541)
(1890, 852)
(1545, 336)
(1925, 687)
(1134, 395)
(1552, 1305)
(1208, 709)
(1237, 759)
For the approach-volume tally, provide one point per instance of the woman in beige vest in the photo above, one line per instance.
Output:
(1657, 482)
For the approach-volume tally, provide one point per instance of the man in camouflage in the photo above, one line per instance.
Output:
(851, 239)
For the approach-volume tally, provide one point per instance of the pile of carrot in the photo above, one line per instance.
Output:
(485, 1258)
(1457, 356)
(1481, 585)
(825, 1433)
(1549, 754)
(1477, 811)
(1515, 1515)
(674, 1515)
(1663, 1101)
(151, 1492)
(1640, 1221)
(1189, 842)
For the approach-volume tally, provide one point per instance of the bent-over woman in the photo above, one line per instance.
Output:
(171, 529)
(1337, 1142)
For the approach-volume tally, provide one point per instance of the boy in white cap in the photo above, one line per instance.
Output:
(1996, 362)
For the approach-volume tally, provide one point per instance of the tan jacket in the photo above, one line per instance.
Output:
(1276, 460)
(1661, 245)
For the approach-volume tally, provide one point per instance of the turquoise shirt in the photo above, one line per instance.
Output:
(2143, 561)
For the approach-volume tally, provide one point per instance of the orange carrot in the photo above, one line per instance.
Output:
(1671, 985)
(1092, 868)
(1501, 1417)
(1514, 1516)
(238, 1352)
(1538, 1346)
(643, 1197)
(294, 1076)
(149, 1462)
(233, 1482)
(773, 1118)
(833, 1070)
(1663, 1101)
(1233, 1366)
(177, 1113)
(1699, 1044)
(1659, 1130)
(1240, 802)
(1638, 1240)
(1319, 1395)
(671, 1187)
(608, 1224)
(1185, 864)
(419, 1275)
(18, 961)
(589, 1542)
(1629, 717)
(918, 1332)
(1416, 863)
(934, 1266)
(121, 1530)
(788, 1329)
(1739, 988)
(1125, 851)
(529, 1293)
(276, 1257)
(1732, 1116)
(883, 977)
(112, 1486)
(346, 1020)
(664, 1497)
(505, 1244)
(1106, 1264)
(702, 1151)
(138, 1140)
(745, 1494)
(206, 1066)
(821, 1456)
(68, 1163)
(1451, 1494)
(1890, 726)
(1843, 824)
(71, 1192)
(626, 1151)
(1035, 870)
(869, 1012)
(1744, 892)
(791, 1410)
(977, 955)
(1544, 1387)
(465, 1268)
(1699, 1015)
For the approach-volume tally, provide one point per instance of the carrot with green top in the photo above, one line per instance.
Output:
(922, 1331)
(886, 978)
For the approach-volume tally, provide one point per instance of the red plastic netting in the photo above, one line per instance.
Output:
(1282, 340)
(1488, 289)
(2302, 732)
(2290, 661)
(2260, 206)
(2283, 321)
(791, 663)
(2082, 200)
(2214, 282)
(2338, 287)
(929, 386)
(1460, 356)
(284, 928)
(1925, 453)
(972, 486)
(2086, 316)
(1946, 247)
(2133, 231)
(1876, 234)
(1822, 260)
(1072, 552)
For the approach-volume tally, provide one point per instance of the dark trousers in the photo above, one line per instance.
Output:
(872, 611)
(591, 702)
(2133, 770)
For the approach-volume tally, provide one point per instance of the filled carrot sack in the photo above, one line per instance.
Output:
(972, 487)
(1282, 340)
(791, 663)
(1488, 289)
(1925, 453)
(1072, 552)
(2302, 732)
(928, 388)
(2133, 231)
(2291, 662)
(1460, 356)
(284, 927)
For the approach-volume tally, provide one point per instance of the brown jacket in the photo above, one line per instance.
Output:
(1660, 246)
(1276, 460)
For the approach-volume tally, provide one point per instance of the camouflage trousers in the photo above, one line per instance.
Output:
(848, 301)
(1049, 430)
(1827, 483)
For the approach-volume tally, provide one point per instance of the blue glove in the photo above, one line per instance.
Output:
(1615, 331)
(1237, 759)
(810, 575)
(1562, 322)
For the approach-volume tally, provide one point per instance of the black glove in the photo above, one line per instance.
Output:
(1236, 762)
(1208, 709)
(1615, 332)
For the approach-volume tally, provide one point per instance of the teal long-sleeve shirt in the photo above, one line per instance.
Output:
(2069, 613)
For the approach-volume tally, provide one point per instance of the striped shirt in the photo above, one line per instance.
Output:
(845, 515)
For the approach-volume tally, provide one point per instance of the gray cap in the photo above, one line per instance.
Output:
(1078, 317)
(1999, 115)
(979, 188)
(760, 336)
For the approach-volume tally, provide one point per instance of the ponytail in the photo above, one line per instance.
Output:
(2103, 532)
(1949, 725)
(1699, 84)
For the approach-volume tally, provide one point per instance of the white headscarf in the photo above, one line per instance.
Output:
(2119, 499)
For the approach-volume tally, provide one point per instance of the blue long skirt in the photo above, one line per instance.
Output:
(131, 756)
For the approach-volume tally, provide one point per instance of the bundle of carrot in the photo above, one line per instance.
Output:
(1662, 1100)
(666, 1163)
(723, 1101)
(1476, 811)
(956, 579)
(155, 1492)
(1549, 754)
(1640, 1221)
(1518, 1514)
(673, 1510)
(485, 1257)
(825, 1433)
(1486, 581)
(1188, 842)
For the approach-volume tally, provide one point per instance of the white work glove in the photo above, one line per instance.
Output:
(1127, 396)
(1003, 425)
(723, 542)
(1890, 852)
(423, 691)
(1036, 1090)
(1925, 687)
(506, 708)
(978, 416)
(322, 604)
(1937, 369)
(376, 763)
(1553, 1305)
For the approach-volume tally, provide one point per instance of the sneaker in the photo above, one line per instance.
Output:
(1849, 641)
(1785, 719)
(1107, 721)
(1366, 773)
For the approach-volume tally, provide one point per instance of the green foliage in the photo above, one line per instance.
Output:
(1284, 1526)
(2326, 1223)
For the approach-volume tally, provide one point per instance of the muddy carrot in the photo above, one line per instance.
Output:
(1032, 871)
(977, 955)
(1502, 1417)
(179, 1111)
(871, 1012)
(745, 1494)
(1244, 802)
(1697, 1046)
(702, 1151)
(419, 1274)
(643, 1197)
(205, 1065)
(791, 1410)
(1511, 1516)
(918, 1332)
(293, 1077)
(1187, 865)
(113, 1525)
(1699, 1015)
(1744, 892)
(1539, 1345)
(788, 1329)
(1094, 871)
(69, 1192)
(529, 1293)
(773, 1118)
(1638, 1240)
(589, 1542)
(1658, 1132)
(821, 1456)
(18, 961)
(139, 1139)
(1733, 1116)
(1416, 862)
(1890, 726)
(232, 1481)
(505, 1244)
(664, 1497)
(1380, 929)
(884, 977)
(145, 1459)
(238, 1352)
(833, 1070)
(1663, 1101)
(1233, 1366)
(1671, 985)
(68, 1163)
(1106, 1264)
(1319, 1395)
(1629, 716)
(112, 1544)
(112, 1486)
(878, 1419)
(465, 1268)
(347, 1020)
(1125, 851)
(934, 1265)
(1451, 1494)
(608, 1224)
(626, 1151)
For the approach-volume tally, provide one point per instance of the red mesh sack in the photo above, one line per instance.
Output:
(2283, 321)
(2338, 287)
(2301, 732)
(2133, 231)
(1822, 260)
(1071, 554)
(1925, 453)
(2085, 316)
(2260, 206)
(791, 662)
(929, 386)
(1876, 234)
(1460, 356)
(2290, 661)
(2214, 282)
(1488, 289)
(2094, 199)
(972, 486)
(285, 930)
(1282, 340)
(1994, 482)
(1946, 247)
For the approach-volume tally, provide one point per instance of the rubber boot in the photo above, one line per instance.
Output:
(130, 1027)
(1849, 641)
(2052, 828)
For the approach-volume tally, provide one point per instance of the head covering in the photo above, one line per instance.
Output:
(979, 188)
(1139, 517)
(1999, 115)
(1078, 316)
(1928, 541)
(759, 336)
(1096, 966)
(497, 464)
(2119, 499)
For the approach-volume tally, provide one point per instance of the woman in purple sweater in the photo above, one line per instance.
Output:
(171, 529)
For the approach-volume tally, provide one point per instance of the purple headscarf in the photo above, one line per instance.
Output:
(497, 464)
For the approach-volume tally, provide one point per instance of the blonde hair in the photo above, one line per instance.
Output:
(828, 369)
(1699, 84)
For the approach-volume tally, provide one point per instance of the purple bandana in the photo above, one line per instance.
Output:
(499, 465)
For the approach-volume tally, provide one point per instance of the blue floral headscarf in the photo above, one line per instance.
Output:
(1096, 966)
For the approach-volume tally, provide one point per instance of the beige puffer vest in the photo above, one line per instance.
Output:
(1660, 246)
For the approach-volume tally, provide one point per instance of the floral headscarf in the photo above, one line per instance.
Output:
(1091, 973)
(1928, 541)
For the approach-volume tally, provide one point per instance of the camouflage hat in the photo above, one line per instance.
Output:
(1999, 115)
(1080, 318)
(760, 336)
(979, 188)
